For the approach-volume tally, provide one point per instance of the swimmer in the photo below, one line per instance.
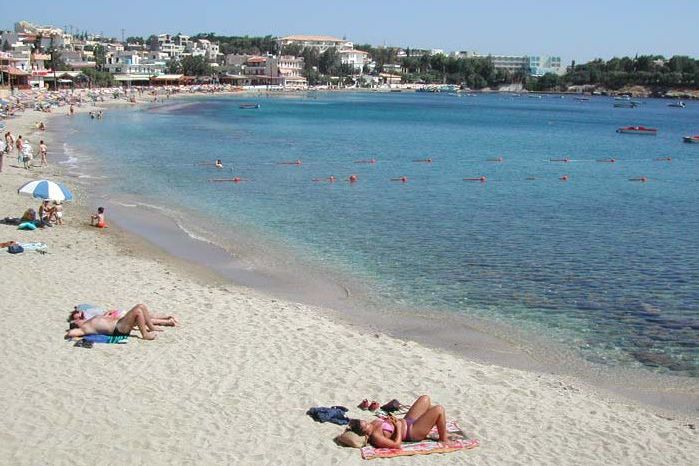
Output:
(297, 162)
(564, 178)
(353, 178)
(428, 160)
(365, 161)
(668, 159)
(330, 179)
(236, 179)
(218, 164)
(642, 179)
(565, 159)
(530, 178)
(402, 179)
(608, 160)
(482, 179)
(497, 159)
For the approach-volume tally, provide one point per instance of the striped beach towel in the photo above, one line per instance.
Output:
(109, 339)
(426, 447)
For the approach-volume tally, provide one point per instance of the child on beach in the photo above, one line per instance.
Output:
(58, 212)
(98, 219)
(42, 152)
(27, 155)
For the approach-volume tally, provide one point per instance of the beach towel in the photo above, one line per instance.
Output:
(426, 447)
(110, 339)
(34, 246)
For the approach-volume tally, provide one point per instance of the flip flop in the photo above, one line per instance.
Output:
(364, 405)
(374, 406)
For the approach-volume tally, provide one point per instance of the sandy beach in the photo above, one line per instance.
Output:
(232, 383)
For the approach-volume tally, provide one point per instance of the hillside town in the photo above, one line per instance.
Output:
(35, 56)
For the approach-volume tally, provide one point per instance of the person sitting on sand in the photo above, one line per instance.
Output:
(97, 220)
(45, 212)
(414, 427)
(110, 323)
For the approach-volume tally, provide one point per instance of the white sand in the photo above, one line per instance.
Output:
(232, 384)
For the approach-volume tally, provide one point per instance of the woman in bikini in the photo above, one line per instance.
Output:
(414, 427)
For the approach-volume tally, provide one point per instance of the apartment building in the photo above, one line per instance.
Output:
(322, 43)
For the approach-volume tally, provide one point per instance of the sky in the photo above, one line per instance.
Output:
(574, 30)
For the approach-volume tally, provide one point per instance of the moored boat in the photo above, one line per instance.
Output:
(637, 130)
(625, 102)
(249, 106)
(691, 139)
(678, 104)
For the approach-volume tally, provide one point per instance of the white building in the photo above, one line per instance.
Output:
(533, 65)
(133, 63)
(355, 58)
(322, 43)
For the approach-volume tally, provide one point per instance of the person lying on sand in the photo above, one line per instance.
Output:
(414, 427)
(111, 323)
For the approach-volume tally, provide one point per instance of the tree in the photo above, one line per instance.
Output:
(135, 40)
(195, 66)
(100, 54)
(6, 47)
(329, 62)
(153, 43)
(99, 78)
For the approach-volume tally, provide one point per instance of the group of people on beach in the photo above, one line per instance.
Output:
(25, 152)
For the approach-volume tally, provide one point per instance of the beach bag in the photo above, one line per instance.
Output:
(15, 249)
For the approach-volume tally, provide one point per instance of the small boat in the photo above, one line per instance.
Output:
(691, 139)
(582, 99)
(678, 104)
(625, 102)
(249, 106)
(637, 130)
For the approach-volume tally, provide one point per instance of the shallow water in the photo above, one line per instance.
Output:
(604, 265)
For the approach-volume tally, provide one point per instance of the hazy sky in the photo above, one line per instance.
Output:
(579, 30)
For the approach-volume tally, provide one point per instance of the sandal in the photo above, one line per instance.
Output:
(364, 405)
(374, 406)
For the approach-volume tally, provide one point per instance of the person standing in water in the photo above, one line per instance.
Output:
(42, 152)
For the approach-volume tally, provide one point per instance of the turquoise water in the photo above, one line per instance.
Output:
(606, 265)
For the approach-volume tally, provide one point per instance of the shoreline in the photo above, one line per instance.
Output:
(291, 342)
(465, 336)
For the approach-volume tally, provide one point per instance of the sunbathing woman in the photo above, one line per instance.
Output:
(110, 323)
(414, 427)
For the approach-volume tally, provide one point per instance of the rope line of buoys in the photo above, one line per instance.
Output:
(481, 179)
(402, 179)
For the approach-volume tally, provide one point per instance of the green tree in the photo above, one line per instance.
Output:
(6, 47)
(329, 62)
(152, 43)
(100, 54)
(195, 66)
(135, 40)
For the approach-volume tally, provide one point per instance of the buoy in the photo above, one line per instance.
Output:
(608, 160)
(402, 179)
(564, 178)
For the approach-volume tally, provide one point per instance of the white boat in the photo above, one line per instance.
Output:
(678, 104)
(625, 102)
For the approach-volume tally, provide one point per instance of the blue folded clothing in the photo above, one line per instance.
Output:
(334, 414)
(121, 339)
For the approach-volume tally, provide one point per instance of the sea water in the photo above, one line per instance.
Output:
(572, 250)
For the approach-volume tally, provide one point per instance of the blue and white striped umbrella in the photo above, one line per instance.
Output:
(45, 189)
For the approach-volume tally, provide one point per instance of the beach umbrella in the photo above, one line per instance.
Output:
(46, 189)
